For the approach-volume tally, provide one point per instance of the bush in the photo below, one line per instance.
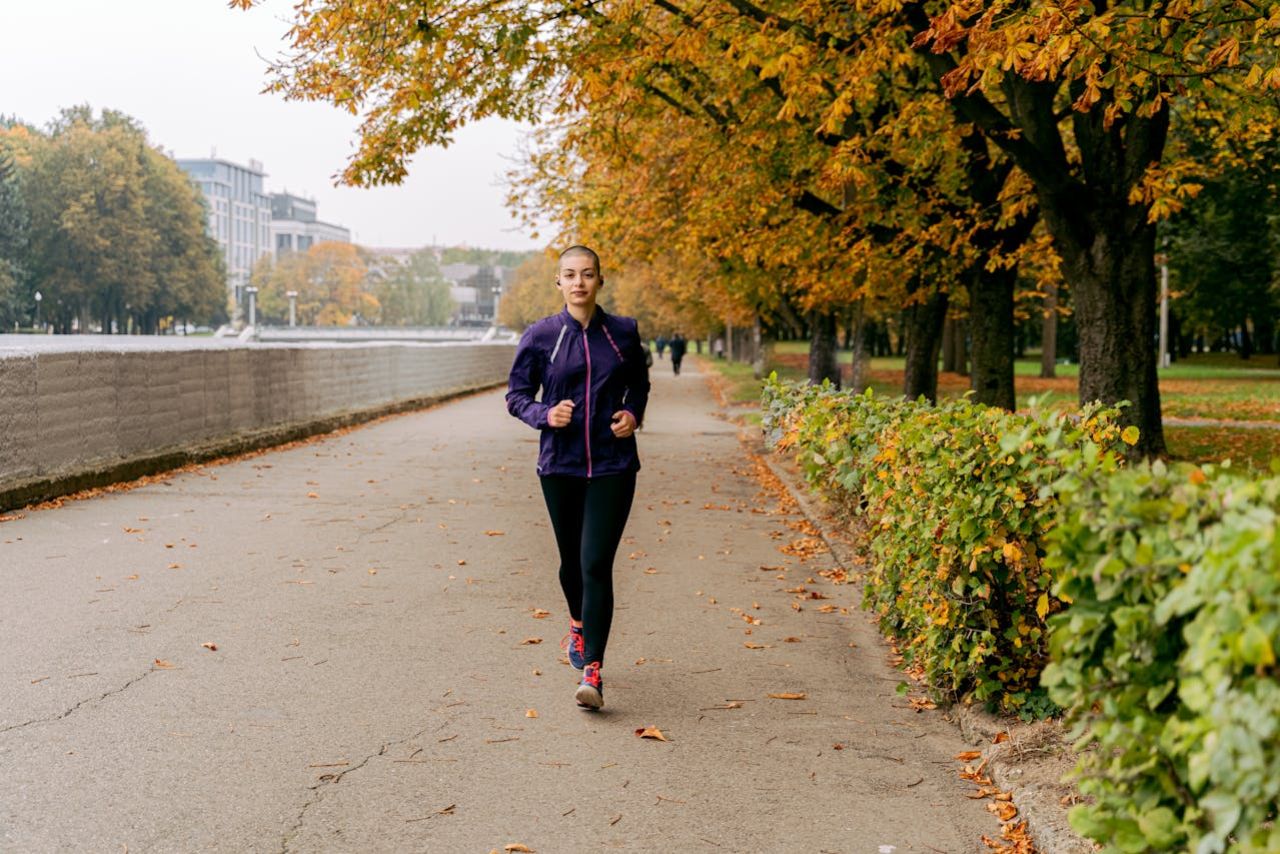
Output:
(958, 499)
(1166, 657)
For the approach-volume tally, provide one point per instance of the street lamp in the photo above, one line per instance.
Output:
(293, 307)
(39, 296)
(253, 304)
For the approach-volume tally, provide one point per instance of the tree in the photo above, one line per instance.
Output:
(13, 239)
(414, 293)
(532, 294)
(329, 279)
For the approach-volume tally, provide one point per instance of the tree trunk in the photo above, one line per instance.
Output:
(991, 322)
(1113, 276)
(859, 328)
(923, 322)
(962, 346)
(757, 350)
(1049, 335)
(823, 349)
(1264, 334)
(949, 346)
(1246, 340)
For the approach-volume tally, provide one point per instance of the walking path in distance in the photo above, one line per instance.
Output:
(333, 647)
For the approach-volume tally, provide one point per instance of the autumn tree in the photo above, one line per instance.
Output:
(13, 239)
(117, 233)
(412, 293)
(329, 280)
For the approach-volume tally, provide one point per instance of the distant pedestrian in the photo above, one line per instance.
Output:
(718, 348)
(590, 368)
(678, 347)
(662, 345)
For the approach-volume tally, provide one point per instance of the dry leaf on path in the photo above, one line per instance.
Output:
(161, 664)
(539, 613)
(516, 846)
(968, 755)
(651, 732)
(210, 645)
(530, 641)
(1003, 811)
(750, 645)
(312, 495)
(791, 640)
(790, 695)
(1000, 738)
(495, 533)
(531, 713)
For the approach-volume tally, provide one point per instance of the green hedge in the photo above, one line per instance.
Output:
(1166, 659)
(957, 499)
(999, 538)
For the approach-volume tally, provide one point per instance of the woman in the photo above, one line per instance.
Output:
(590, 367)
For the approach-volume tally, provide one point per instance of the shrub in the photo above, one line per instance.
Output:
(1166, 657)
(958, 498)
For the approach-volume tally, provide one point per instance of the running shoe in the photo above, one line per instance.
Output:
(575, 647)
(590, 694)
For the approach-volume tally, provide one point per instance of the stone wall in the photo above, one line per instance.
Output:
(70, 420)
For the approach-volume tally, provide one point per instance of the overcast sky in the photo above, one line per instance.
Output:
(190, 71)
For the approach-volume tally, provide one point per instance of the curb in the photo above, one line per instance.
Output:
(1038, 799)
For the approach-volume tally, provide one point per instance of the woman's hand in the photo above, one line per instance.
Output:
(561, 414)
(624, 424)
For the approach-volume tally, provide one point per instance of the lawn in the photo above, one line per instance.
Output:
(1217, 387)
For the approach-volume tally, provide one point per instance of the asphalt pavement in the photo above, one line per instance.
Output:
(351, 644)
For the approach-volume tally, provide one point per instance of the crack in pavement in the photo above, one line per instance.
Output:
(318, 788)
(69, 711)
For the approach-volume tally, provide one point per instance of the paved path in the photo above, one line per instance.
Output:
(372, 683)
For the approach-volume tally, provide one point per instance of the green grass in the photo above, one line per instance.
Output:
(1211, 386)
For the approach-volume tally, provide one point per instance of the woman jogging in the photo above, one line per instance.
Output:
(590, 367)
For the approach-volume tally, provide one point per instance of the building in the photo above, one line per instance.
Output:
(295, 228)
(239, 214)
(475, 290)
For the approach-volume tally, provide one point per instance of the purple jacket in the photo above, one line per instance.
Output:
(602, 370)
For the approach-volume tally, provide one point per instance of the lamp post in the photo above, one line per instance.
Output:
(39, 296)
(293, 307)
(253, 304)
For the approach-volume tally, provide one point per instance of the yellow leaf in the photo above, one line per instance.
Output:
(651, 732)
(1130, 435)
(793, 695)
(1042, 605)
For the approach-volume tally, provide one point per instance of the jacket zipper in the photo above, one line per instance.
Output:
(586, 348)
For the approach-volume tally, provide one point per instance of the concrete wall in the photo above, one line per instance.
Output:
(69, 420)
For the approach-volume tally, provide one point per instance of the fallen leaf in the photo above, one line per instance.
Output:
(531, 713)
(210, 645)
(538, 613)
(175, 566)
(968, 755)
(312, 495)
(750, 645)
(530, 641)
(462, 563)
(1000, 738)
(651, 732)
(791, 640)
(161, 664)
(495, 533)
(1003, 811)
(516, 846)
(793, 695)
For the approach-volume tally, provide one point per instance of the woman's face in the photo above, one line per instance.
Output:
(579, 280)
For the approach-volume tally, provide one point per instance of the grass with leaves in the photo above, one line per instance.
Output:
(1212, 387)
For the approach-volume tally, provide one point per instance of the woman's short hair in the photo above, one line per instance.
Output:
(579, 249)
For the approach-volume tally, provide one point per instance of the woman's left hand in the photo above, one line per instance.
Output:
(624, 424)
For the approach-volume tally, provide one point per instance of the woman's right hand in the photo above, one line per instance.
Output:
(561, 414)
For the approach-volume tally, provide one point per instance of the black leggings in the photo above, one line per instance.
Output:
(588, 516)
